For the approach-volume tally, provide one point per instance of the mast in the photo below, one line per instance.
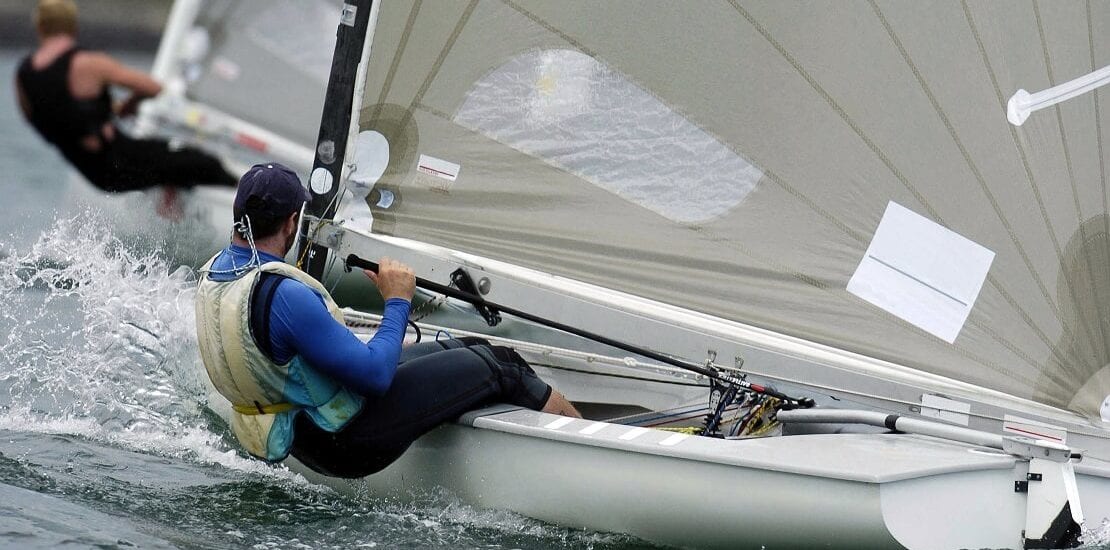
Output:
(166, 64)
(328, 167)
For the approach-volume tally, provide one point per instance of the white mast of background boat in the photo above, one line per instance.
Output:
(183, 45)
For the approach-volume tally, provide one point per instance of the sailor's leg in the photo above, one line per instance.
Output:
(556, 403)
(419, 349)
(426, 391)
(142, 163)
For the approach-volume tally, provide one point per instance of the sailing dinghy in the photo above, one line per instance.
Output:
(853, 256)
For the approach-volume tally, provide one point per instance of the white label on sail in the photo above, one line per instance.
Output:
(948, 410)
(1025, 427)
(922, 272)
(438, 168)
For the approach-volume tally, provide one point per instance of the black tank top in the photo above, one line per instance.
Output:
(61, 118)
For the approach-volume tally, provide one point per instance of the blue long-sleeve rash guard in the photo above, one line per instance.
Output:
(301, 324)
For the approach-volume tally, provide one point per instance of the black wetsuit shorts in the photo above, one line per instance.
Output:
(436, 382)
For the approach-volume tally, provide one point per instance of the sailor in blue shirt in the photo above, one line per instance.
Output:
(300, 324)
(301, 383)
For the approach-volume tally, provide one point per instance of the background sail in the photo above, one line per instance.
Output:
(263, 61)
(736, 158)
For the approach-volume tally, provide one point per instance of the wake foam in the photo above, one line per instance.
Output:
(98, 341)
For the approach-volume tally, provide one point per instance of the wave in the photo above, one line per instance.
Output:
(98, 344)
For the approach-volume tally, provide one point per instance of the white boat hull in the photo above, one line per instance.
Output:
(837, 491)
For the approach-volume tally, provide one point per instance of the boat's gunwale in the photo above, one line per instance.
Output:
(913, 456)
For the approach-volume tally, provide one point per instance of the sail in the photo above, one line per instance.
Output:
(841, 172)
(264, 62)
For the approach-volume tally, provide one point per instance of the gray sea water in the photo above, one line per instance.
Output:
(104, 438)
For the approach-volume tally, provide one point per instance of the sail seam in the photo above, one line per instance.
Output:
(837, 108)
(991, 198)
(552, 29)
(396, 61)
(770, 174)
(1025, 164)
(1074, 191)
(434, 111)
(434, 72)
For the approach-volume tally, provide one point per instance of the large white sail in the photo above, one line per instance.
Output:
(841, 172)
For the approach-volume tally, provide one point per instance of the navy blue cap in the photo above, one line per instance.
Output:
(276, 190)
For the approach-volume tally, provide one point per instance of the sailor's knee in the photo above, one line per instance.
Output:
(462, 342)
(510, 356)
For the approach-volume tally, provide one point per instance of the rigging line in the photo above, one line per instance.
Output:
(705, 369)
(874, 148)
(334, 202)
(621, 376)
(397, 56)
(1074, 429)
(994, 282)
(360, 319)
(1074, 190)
(419, 97)
(1028, 170)
(1098, 134)
(692, 120)
(328, 268)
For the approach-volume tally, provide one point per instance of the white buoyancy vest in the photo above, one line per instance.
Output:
(265, 396)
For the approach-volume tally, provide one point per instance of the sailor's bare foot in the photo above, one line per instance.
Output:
(169, 207)
(557, 404)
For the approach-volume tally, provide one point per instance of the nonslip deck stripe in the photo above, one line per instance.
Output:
(559, 423)
(593, 428)
(673, 440)
(634, 433)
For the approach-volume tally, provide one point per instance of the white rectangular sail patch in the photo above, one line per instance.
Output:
(438, 167)
(1016, 425)
(922, 272)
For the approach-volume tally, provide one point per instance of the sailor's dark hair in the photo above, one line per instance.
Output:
(262, 222)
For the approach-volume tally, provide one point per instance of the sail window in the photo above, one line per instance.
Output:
(577, 114)
(922, 272)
